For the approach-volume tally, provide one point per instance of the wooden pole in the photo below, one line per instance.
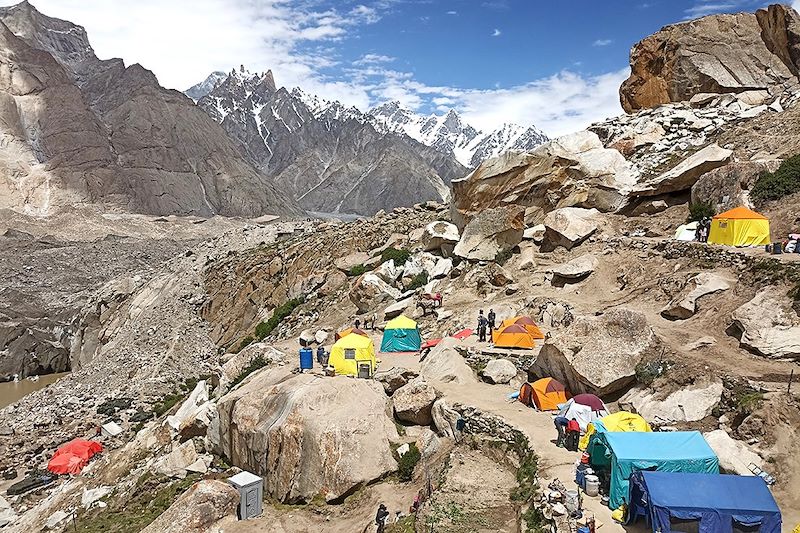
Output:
(789, 387)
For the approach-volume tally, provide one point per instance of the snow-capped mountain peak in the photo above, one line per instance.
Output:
(196, 92)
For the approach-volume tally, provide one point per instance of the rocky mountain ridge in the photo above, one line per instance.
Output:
(328, 157)
(83, 130)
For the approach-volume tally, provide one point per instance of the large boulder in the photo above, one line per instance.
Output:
(209, 506)
(686, 173)
(734, 455)
(573, 170)
(568, 227)
(767, 325)
(577, 268)
(368, 291)
(412, 402)
(394, 378)
(499, 371)
(727, 53)
(194, 415)
(729, 186)
(687, 404)
(440, 236)
(491, 232)
(307, 435)
(598, 354)
(444, 364)
(684, 305)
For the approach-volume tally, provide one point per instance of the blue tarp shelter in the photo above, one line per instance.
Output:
(621, 454)
(717, 501)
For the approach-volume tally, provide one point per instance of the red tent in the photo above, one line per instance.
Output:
(591, 400)
(73, 456)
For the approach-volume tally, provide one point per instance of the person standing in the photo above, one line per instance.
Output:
(561, 423)
(573, 435)
(381, 517)
(358, 323)
(491, 317)
(482, 323)
(321, 359)
(374, 319)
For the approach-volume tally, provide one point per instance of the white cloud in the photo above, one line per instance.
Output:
(701, 8)
(452, 12)
(602, 42)
(373, 59)
(496, 33)
(796, 5)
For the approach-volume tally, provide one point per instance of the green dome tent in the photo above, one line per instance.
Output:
(401, 335)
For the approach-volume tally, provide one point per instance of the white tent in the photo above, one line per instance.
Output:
(584, 414)
(686, 232)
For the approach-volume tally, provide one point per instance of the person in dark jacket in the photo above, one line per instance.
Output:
(381, 517)
(491, 317)
(482, 325)
(561, 423)
(321, 359)
(573, 435)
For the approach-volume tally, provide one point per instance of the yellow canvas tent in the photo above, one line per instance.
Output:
(621, 421)
(739, 227)
(353, 355)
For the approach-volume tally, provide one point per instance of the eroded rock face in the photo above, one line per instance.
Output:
(685, 304)
(768, 326)
(305, 435)
(491, 232)
(574, 170)
(440, 236)
(686, 173)
(208, 506)
(727, 53)
(598, 354)
(729, 186)
(687, 404)
(369, 290)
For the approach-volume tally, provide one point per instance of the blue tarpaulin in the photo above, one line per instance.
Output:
(717, 501)
(624, 453)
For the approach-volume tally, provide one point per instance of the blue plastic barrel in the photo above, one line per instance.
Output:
(306, 358)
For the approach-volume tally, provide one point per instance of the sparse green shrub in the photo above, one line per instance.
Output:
(407, 463)
(699, 211)
(257, 363)
(503, 256)
(782, 182)
(535, 520)
(168, 402)
(245, 342)
(418, 281)
(749, 402)
(280, 312)
(357, 270)
(400, 256)
(527, 482)
(647, 371)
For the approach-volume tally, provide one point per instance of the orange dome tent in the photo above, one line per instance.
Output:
(348, 331)
(73, 456)
(548, 393)
(527, 323)
(513, 336)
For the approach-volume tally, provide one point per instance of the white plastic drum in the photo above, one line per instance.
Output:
(572, 501)
(592, 485)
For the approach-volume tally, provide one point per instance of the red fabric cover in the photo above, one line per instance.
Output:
(573, 425)
(463, 334)
(73, 456)
(430, 344)
(591, 400)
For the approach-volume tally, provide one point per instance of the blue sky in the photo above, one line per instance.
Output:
(555, 64)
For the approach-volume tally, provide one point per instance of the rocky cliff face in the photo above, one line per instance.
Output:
(728, 53)
(330, 158)
(82, 130)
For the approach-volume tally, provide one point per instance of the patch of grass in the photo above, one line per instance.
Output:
(700, 211)
(257, 363)
(151, 497)
(535, 520)
(527, 479)
(357, 270)
(280, 312)
(168, 402)
(420, 280)
(404, 525)
(400, 256)
(782, 182)
(407, 463)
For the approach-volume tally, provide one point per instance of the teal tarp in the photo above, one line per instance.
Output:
(623, 453)
(401, 340)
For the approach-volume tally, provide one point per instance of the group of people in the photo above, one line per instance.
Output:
(486, 324)
(569, 433)
(382, 516)
(369, 322)
(703, 229)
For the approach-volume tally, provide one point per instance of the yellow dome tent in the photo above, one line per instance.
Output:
(739, 227)
(353, 355)
(622, 421)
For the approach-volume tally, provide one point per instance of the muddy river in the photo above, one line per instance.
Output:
(10, 392)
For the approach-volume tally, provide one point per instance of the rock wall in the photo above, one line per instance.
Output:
(727, 53)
